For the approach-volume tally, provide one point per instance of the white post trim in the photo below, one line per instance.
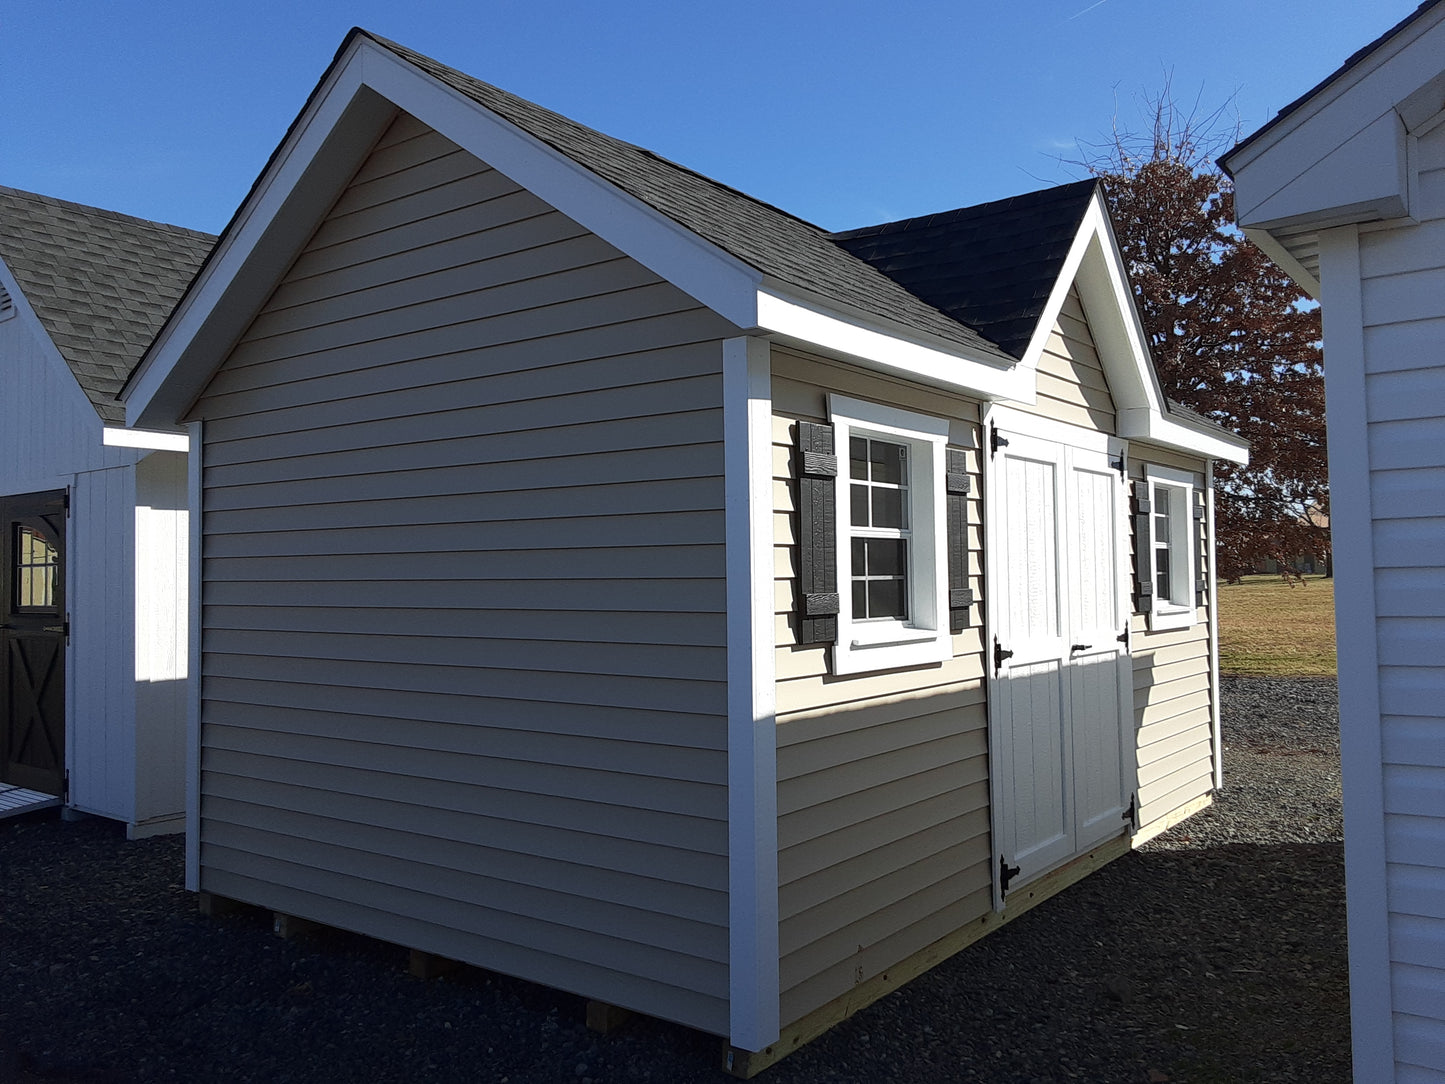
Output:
(193, 664)
(753, 992)
(1212, 572)
(1361, 754)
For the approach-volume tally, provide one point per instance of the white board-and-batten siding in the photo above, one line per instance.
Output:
(882, 778)
(464, 677)
(1387, 463)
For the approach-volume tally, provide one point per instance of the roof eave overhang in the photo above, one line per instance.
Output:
(1181, 435)
(789, 317)
(1340, 155)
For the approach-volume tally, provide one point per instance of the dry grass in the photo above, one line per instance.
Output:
(1268, 628)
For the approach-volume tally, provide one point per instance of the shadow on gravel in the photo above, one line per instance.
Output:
(1194, 965)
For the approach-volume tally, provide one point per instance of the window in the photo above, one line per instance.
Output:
(36, 563)
(1169, 547)
(893, 602)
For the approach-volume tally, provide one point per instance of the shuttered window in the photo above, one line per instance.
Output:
(1167, 550)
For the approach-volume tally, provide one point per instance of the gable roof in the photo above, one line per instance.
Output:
(993, 266)
(779, 245)
(101, 283)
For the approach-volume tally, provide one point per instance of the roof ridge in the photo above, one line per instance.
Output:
(103, 212)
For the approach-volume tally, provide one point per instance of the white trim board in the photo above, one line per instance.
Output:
(753, 982)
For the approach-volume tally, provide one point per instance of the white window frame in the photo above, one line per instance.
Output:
(864, 646)
(1177, 610)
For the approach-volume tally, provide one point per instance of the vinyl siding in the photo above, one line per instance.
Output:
(1070, 377)
(464, 669)
(1173, 717)
(1402, 272)
(882, 778)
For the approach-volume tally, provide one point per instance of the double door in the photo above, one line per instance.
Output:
(1061, 688)
(32, 641)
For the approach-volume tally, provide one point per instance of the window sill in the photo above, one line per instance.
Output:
(859, 652)
(1162, 620)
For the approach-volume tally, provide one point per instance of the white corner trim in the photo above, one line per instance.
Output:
(793, 319)
(1361, 743)
(147, 439)
(194, 491)
(753, 994)
(1212, 571)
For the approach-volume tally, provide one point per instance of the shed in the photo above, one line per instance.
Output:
(1345, 188)
(92, 518)
(595, 584)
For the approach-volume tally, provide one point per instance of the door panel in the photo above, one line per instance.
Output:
(32, 641)
(1060, 682)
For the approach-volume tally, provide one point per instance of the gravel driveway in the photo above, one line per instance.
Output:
(1213, 954)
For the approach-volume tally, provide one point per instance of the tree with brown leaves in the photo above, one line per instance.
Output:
(1233, 337)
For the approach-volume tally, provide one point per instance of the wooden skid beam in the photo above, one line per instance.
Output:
(604, 1018)
(289, 926)
(746, 1064)
(425, 966)
(212, 905)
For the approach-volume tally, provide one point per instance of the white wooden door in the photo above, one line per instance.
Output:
(1033, 761)
(1060, 692)
(1100, 680)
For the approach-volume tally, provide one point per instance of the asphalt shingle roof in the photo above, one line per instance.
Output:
(991, 266)
(772, 241)
(102, 283)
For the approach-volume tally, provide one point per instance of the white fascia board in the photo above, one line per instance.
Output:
(339, 125)
(1371, 90)
(717, 279)
(1145, 425)
(146, 439)
(796, 321)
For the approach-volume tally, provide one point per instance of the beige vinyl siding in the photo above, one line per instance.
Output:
(882, 778)
(1173, 714)
(464, 668)
(1070, 378)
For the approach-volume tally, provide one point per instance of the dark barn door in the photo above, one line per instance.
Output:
(32, 642)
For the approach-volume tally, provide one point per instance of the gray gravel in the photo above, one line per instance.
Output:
(1214, 954)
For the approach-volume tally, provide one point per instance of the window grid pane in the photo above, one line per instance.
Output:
(878, 511)
(36, 562)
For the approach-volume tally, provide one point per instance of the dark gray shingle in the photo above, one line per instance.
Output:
(991, 266)
(102, 283)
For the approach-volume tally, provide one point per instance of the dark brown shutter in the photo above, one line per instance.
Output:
(1201, 548)
(817, 609)
(1143, 557)
(956, 488)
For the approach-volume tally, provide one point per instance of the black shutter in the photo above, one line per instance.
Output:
(1143, 557)
(956, 487)
(817, 609)
(1201, 547)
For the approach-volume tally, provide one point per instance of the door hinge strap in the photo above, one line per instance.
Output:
(1006, 873)
(1132, 813)
(995, 440)
(1000, 653)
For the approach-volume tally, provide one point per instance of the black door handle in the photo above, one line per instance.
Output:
(1080, 647)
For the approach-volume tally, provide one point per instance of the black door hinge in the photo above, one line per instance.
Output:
(1123, 638)
(1122, 466)
(65, 787)
(1006, 873)
(995, 441)
(1131, 814)
(1000, 653)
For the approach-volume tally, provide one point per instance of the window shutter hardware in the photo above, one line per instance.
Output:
(1006, 873)
(957, 485)
(817, 533)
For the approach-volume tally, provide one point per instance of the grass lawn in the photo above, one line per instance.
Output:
(1269, 629)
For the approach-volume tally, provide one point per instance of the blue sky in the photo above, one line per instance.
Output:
(845, 113)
